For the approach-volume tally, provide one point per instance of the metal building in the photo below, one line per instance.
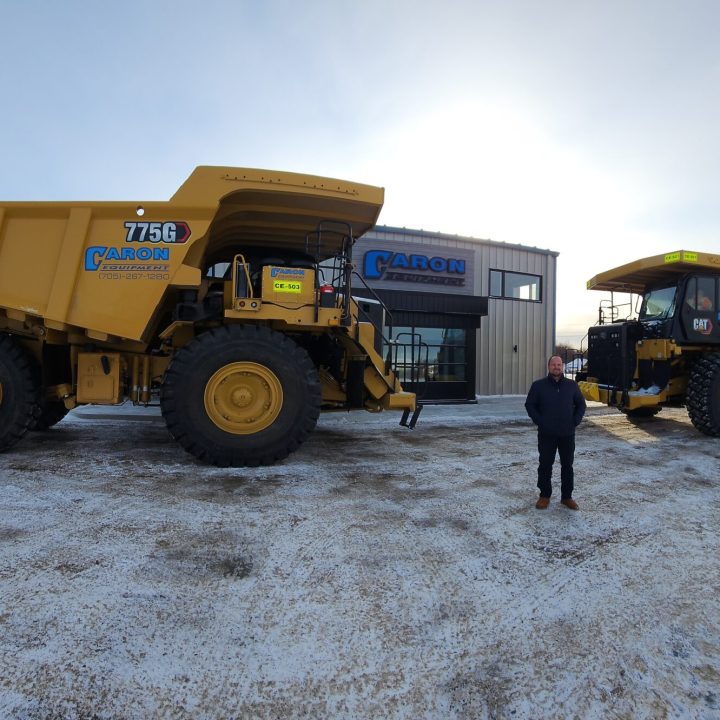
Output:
(484, 310)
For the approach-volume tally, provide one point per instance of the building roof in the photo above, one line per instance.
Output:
(460, 238)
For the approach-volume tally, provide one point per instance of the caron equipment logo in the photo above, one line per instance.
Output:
(397, 266)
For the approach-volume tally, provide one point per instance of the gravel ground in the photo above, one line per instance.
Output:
(377, 572)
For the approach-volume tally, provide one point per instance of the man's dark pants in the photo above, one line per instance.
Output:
(548, 445)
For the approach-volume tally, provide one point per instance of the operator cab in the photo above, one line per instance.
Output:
(685, 311)
(699, 319)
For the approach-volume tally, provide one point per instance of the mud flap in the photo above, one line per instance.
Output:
(413, 420)
(356, 383)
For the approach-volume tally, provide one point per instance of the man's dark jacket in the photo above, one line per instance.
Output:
(555, 407)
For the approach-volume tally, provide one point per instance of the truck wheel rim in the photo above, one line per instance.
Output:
(243, 398)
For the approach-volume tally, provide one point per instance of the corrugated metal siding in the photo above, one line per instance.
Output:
(528, 325)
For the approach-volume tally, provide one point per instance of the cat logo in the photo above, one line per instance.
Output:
(702, 325)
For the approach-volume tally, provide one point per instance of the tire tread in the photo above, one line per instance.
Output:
(184, 364)
(702, 395)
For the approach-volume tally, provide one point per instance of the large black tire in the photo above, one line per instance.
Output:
(53, 369)
(703, 395)
(241, 395)
(19, 392)
(51, 412)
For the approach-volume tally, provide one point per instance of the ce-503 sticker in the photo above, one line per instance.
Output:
(156, 232)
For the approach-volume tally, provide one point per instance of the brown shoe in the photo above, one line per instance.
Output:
(542, 503)
(570, 503)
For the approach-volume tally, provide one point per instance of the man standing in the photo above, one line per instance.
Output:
(556, 406)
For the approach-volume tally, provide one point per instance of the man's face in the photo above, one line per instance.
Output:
(555, 367)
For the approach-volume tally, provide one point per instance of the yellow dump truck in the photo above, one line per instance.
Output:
(668, 353)
(231, 305)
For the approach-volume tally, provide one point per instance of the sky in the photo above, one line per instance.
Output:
(585, 127)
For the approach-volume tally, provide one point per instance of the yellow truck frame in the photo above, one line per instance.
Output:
(231, 304)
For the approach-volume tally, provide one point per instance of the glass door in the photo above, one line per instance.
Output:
(433, 362)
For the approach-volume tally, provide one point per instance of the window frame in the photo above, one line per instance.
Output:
(695, 281)
(403, 365)
(503, 296)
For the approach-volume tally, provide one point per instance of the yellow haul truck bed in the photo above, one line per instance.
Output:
(213, 303)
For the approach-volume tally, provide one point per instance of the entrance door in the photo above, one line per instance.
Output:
(434, 363)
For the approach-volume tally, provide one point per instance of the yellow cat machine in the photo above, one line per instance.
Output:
(230, 305)
(670, 353)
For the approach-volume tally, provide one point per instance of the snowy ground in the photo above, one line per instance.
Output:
(377, 573)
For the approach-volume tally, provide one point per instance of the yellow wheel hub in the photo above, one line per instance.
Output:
(243, 398)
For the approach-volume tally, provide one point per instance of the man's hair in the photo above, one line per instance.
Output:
(554, 356)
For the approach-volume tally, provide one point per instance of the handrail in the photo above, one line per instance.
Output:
(607, 307)
(388, 340)
(415, 367)
(239, 260)
(345, 255)
(377, 297)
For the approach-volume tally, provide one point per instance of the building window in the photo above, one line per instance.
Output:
(515, 286)
(430, 354)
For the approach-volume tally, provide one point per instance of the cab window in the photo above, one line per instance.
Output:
(658, 304)
(701, 294)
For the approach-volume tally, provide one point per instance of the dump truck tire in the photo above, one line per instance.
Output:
(19, 392)
(50, 413)
(241, 395)
(703, 395)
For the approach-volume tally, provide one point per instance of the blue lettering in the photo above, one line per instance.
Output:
(399, 261)
(274, 272)
(375, 263)
(93, 255)
(438, 264)
(98, 253)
